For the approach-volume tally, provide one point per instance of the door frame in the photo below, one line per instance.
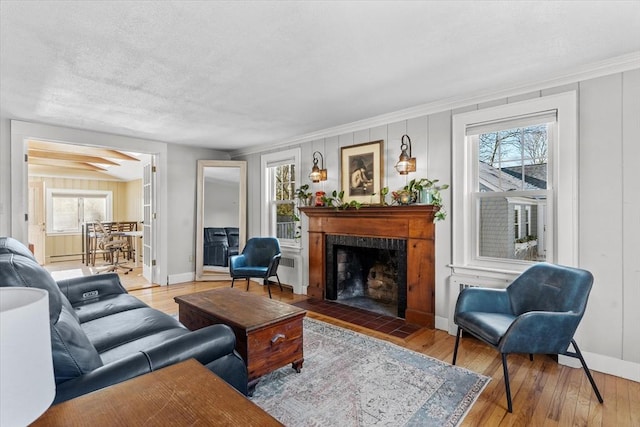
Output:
(22, 131)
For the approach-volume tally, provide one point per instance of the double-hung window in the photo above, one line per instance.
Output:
(281, 218)
(67, 209)
(514, 178)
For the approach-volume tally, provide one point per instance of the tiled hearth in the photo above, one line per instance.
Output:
(393, 326)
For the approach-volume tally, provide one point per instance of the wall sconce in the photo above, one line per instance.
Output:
(318, 174)
(406, 163)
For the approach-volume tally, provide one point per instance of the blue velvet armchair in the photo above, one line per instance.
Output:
(536, 314)
(259, 258)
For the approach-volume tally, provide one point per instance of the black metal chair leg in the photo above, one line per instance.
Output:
(280, 284)
(506, 382)
(248, 280)
(578, 355)
(455, 349)
(531, 357)
(268, 285)
(232, 281)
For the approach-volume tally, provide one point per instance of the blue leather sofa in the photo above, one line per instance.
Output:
(101, 335)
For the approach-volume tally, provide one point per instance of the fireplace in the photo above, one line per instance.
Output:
(368, 273)
(411, 224)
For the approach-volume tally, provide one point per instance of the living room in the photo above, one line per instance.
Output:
(599, 225)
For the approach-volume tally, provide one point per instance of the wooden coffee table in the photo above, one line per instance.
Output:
(183, 394)
(268, 332)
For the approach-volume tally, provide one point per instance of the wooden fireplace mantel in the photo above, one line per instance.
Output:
(414, 223)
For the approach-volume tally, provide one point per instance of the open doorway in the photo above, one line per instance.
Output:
(71, 188)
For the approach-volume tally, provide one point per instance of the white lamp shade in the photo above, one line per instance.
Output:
(27, 385)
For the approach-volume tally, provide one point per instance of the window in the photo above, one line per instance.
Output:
(514, 177)
(510, 178)
(67, 210)
(281, 219)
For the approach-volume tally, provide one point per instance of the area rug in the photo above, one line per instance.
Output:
(350, 379)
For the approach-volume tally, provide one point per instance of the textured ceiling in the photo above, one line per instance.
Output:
(228, 75)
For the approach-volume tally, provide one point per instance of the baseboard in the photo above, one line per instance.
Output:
(605, 364)
(442, 323)
(172, 279)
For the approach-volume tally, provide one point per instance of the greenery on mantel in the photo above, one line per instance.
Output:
(418, 191)
(423, 191)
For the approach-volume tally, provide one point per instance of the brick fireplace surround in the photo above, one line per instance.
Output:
(413, 223)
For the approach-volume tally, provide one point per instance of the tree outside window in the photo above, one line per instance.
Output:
(284, 183)
(511, 192)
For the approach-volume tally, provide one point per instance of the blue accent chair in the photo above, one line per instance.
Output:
(536, 314)
(259, 258)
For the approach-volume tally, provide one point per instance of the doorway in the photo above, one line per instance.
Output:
(71, 187)
(21, 132)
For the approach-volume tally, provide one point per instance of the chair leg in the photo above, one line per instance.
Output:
(268, 285)
(248, 279)
(279, 284)
(455, 349)
(232, 281)
(506, 381)
(578, 355)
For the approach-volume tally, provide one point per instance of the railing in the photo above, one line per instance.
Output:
(286, 230)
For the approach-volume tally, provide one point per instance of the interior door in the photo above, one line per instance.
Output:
(36, 220)
(149, 271)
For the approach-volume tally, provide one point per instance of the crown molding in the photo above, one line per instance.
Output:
(614, 65)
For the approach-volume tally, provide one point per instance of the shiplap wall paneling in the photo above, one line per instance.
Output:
(395, 131)
(631, 214)
(438, 160)
(600, 211)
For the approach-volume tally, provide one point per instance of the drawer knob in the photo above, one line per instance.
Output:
(277, 338)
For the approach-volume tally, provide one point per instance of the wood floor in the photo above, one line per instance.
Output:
(544, 393)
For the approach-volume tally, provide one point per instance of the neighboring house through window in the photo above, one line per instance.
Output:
(67, 209)
(514, 184)
(280, 219)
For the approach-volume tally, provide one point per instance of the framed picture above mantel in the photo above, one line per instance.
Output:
(361, 172)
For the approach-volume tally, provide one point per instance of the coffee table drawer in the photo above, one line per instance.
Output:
(271, 348)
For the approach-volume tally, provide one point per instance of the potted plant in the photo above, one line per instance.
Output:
(423, 191)
(335, 200)
(304, 195)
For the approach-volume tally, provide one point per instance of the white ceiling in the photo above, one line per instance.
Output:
(229, 75)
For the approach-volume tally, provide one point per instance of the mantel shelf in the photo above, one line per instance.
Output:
(372, 211)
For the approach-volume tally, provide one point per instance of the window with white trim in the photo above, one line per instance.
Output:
(281, 219)
(510, 199)
(68, 209)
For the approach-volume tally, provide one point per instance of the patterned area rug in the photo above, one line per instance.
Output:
(350, 379)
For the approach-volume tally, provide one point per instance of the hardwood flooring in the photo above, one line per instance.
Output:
(66, 269)
(544, 393)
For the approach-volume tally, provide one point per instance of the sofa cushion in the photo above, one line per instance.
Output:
(18, 270)
(9, 245)
(106, 306)
(106, 333)
(141, 344)
(73, 354)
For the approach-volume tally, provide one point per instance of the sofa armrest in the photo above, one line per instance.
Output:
(121, 370)
(205, 345)
(85, 288)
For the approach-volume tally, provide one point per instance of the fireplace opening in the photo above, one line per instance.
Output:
(368, 273)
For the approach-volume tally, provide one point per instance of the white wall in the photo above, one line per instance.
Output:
(181, 190)
(609, 200)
